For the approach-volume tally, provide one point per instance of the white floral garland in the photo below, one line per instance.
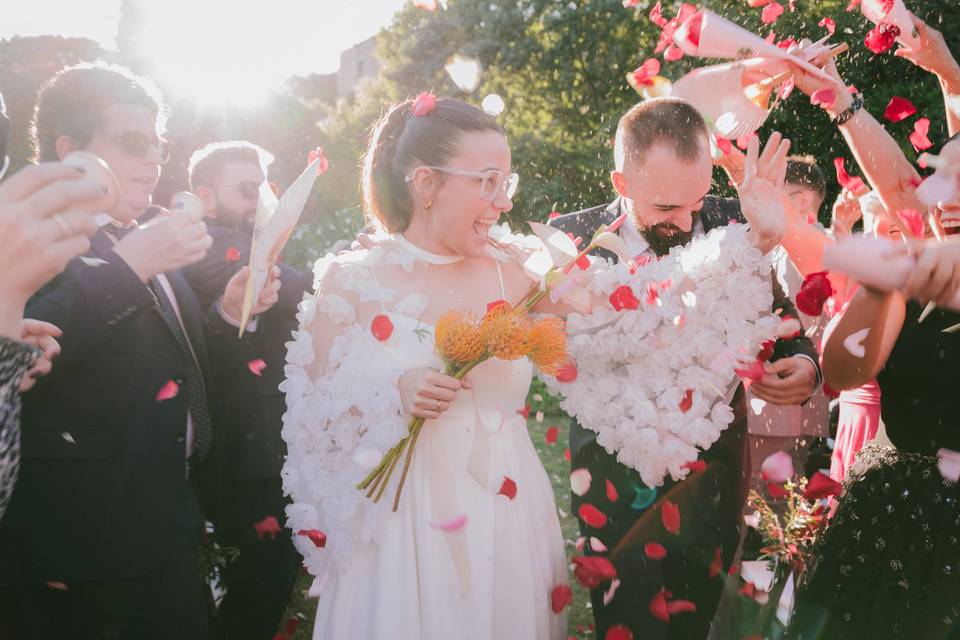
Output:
(636, 366)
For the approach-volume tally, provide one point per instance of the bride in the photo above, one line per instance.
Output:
(461, 557)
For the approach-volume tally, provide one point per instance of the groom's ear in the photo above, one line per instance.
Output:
(619, 182)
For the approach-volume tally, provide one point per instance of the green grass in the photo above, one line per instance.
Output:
(554, 460)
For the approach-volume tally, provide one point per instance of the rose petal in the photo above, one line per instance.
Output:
(381, 328)
(687, 401)
(912, 222)
(560, 597)
(751, 373)
(658, 606)
(496, 304)
(771, 13)
(550, 437)
(525, 412)
(553, 215)
(256, 367)
(716, 566)
(670, 517)
(899, 109)
(424, 104)
(919, 139)
(597, 546)
(656, 15)
(608, 596)
(680, 606)
(592, 516)
(824, 98)
(778, 467)
(317, 537)
(453, 524)
(317, 154)
(593, 571)
(567, 373)
(644, 74)
(267, 527)
(169, 390)
(508, 488)
(655, 551)
(846, 181)
(612, 494)
(881, 38)
(829, 24)
(776, 491)
(232, 254)
(696, 466)
(566, 455)
(814, 291)
(821, 486)
(623, 298)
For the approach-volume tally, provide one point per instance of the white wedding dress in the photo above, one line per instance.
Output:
(410, 574)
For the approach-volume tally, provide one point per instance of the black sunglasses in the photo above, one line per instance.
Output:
(137, 144)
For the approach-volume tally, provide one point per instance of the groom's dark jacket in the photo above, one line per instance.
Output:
(710, 501)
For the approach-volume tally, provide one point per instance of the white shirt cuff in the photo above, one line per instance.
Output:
(251, 326)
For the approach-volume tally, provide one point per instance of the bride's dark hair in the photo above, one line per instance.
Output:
(401, 141)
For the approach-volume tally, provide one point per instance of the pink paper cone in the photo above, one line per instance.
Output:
(718, 94)
(720, 38)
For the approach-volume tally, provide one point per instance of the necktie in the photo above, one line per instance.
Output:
(196, 391)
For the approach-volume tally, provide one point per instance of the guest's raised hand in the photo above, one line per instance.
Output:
(42, 335)
(426, 393)
(46, 215)
(236, 288)
(932, 54)
(846, 213)
(169, 242)
(936, 276)
(761, 193)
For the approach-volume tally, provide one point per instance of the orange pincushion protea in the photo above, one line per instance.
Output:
(457, 338)
(505, 332)
(547, 345)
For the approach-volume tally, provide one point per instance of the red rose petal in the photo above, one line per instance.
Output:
(846, 181)
(553, 215)
(593, 571)
(881, 38)
(673, 53)
(653, 294)
(716, 565)
(623, 298)
(317, 537)
(267, 527)
(612, 494)
(656, 15)
(829, 24)
(658, 606)
(317, 154)
(232, 254)
(670, 517)
(680, 606)
(560, 597)
(696, 466)
(771, 13)
(525, 412)
(508, 488)
(821, 486)
(551, 435)
(256, 367)
(592, 516)
(814, 291)
(618, 632)
(830, 392)
(824, 98)
(753, 372)
(766, 350)
(567, 373)
(687, 401)
(776, 491)
(496, 304)
(169, 390)
(899, 109)
(919, 139)
(644, 74)
(723, 144)
(381, 328)
(424, 104)
(655, 551)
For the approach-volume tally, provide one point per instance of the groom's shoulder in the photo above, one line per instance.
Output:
(587, 220)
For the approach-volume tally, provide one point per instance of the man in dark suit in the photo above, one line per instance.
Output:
(663, 177)
(242, 482)
(101, 539)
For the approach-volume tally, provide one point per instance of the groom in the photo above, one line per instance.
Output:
(663, 177)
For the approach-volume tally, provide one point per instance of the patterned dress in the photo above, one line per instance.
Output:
(15, 359)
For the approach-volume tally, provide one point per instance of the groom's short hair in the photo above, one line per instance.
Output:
(668, 120)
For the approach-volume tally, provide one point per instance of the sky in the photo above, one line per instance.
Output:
(295, 36)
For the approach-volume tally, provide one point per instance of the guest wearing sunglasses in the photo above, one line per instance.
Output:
(102, 534)
(241, 481)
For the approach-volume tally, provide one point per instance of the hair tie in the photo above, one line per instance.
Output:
(424, 104)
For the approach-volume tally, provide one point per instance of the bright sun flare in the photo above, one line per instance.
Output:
(218, 52)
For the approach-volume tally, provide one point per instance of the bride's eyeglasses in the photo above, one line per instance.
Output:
(492, 181)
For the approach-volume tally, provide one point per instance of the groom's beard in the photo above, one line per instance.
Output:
(665, 236)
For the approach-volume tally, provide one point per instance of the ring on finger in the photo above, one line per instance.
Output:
(63, 224)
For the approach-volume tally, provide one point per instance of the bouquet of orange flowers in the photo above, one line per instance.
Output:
(505, 332)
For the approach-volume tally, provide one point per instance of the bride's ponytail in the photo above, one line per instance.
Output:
(400, 142)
